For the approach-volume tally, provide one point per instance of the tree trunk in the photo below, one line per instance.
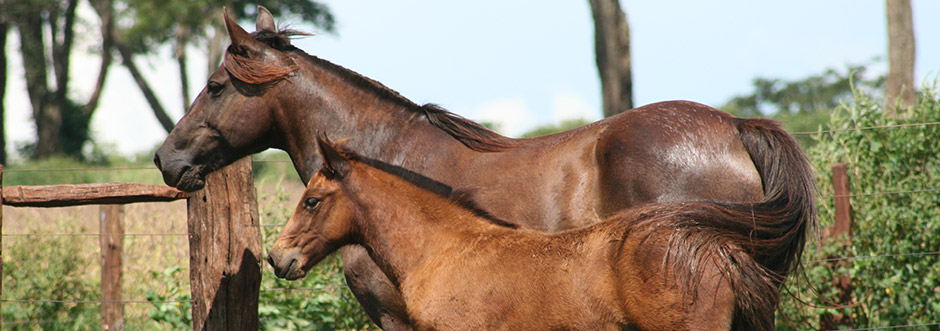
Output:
(899, 85)
(612, 48)
(4, 28)
(216, 47)
(48, 116)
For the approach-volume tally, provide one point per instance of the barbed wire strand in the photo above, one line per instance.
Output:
(91, 234)
(117, 168)
(890, 327)
(879, 193)
(865, 128)
(322, 288)
(859, 257)
(90, 301)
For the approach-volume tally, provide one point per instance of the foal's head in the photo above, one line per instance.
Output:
(233, 116)
(322, 221)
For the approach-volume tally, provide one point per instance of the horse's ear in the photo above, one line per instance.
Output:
(335, 164)
(239, 36)
(265, 20)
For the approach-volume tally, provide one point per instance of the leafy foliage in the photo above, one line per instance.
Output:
(547, 129)
(894, 180)
(803, 105)
(49, 269)
(172, 306)
(155, 22)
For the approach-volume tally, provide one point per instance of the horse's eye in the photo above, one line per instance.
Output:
(311, 202)
(214, 88)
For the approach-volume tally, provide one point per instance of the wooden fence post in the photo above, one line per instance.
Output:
(225, 250)
(840, 188)
(112, 245)
(1, 238)
(842, 226)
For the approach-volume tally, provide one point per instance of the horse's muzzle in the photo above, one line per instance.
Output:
(286, 264)
(178, 172)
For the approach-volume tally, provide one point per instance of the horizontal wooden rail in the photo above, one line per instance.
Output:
(88, 194)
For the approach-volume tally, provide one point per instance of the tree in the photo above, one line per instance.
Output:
(184, 22)
(803, 104)
(4, 27)
(61, 123)
(612, 51)
(899, 90)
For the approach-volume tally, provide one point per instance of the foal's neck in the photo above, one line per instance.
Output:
(402, 225)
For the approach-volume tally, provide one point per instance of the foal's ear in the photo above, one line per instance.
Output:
(238, 36)
(265, 20)
(335, 164)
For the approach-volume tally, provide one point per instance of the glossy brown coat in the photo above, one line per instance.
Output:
(269, 94)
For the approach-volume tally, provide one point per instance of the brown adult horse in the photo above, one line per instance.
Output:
(269, 94)
(652, 267)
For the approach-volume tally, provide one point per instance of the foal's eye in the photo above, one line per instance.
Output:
(311, 202)
(214, 88)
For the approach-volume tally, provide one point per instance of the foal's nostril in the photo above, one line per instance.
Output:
(156, 161)
(271, 261)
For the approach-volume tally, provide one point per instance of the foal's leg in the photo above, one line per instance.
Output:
(374, 291)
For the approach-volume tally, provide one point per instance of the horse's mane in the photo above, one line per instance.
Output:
(458, 197)
(469, 133)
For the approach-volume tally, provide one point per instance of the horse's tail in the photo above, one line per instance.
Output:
(777, 226)
(705, 241)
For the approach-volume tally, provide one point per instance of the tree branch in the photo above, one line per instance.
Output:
(158, 111)
(104, 8)
(182, 38)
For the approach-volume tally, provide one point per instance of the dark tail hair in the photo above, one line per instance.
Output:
(781, 221)
(757, 244)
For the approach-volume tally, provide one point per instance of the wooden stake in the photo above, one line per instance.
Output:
(112, 245)
(225, 250)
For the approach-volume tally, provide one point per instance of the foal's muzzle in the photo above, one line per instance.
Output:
(286, 263)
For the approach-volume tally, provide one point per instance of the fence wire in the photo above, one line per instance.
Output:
(865, 128)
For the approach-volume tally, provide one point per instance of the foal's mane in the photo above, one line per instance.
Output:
(462, 198)
(471, 134)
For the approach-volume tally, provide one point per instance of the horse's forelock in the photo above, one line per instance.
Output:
(252, 71)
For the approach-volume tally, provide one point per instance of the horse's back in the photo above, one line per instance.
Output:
(673, 151)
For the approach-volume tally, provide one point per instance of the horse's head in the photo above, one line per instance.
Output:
(233, 116)
(322, 221)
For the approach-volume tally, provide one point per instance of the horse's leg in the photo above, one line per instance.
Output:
(374, 291)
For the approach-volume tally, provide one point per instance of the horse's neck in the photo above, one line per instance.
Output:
(403, 226)
(377, 128)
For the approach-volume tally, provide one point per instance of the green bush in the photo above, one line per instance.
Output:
(50, 270)
(893, 175)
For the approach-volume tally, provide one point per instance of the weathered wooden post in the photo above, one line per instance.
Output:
(1, 237)
(842, 226)
(112, 245)
(225, 250)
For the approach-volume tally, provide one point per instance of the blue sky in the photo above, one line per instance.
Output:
(525, 65)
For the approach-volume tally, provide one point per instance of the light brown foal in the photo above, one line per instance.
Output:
(459, 268)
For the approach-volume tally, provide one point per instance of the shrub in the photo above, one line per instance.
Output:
(51, 270)
(894, 179)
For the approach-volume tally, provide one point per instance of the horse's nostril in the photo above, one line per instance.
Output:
(156, 161)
